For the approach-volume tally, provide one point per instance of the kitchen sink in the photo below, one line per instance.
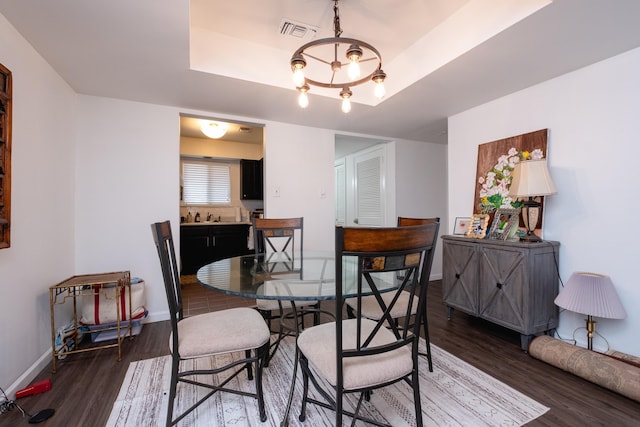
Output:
(215, 223)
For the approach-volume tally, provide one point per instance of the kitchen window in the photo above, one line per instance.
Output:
(206, 182)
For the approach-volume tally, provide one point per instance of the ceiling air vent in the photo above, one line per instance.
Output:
(291, 28)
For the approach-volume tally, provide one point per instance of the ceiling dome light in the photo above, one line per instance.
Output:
(361, 59)
(213, 130)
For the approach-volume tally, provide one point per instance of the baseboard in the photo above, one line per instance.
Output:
(28, 376)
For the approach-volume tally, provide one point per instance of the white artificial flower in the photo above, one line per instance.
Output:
(536, 154)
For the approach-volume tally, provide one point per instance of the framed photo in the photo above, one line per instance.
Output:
(462, 225)
(478, 226)
(505, 224)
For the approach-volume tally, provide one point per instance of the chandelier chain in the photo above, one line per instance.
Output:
(336, 19)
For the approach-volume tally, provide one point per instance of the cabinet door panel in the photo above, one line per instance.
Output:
(251, 179)
(459, 275)
(229, 241)
(194, 251)
(501, 290)
(543, 290)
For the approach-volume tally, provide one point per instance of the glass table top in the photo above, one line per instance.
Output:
(308, 276)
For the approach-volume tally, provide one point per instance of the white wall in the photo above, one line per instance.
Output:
(593, 152)
(42, 207)
(127, 177)
(299, 161)
(421, 189)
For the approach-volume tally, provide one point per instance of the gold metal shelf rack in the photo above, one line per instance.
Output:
(90, 285)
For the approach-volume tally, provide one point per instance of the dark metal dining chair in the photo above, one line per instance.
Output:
(275, 239)
(371, 309)
(358, 355)
(236, 330)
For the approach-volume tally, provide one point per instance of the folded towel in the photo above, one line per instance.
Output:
(250, 239)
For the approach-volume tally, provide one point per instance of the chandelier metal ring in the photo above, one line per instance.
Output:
(303, 53)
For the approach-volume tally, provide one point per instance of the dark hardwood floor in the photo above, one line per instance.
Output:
(86, 385)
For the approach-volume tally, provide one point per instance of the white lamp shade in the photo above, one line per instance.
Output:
(531, 178)
(591, 294)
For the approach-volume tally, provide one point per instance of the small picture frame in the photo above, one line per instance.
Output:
(461, 225)
(505, 224)
(478, 226)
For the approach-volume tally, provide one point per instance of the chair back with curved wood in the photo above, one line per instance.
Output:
(406, 221)
(368, 353)
(371, 309)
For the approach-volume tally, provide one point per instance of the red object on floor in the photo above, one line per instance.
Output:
(39, 387)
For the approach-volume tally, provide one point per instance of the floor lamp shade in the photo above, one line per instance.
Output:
(594, 295)
(591, 294)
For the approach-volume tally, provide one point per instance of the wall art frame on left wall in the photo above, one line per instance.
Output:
(5, 156)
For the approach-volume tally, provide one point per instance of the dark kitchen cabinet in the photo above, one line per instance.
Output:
(202, 244)
(251, 179)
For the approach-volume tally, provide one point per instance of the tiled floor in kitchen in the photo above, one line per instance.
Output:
(197, 299)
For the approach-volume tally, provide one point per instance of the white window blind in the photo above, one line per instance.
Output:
(205, 182)
(368, 175)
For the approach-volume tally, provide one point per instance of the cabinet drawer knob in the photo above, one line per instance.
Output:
(499, 285)
(457, 275)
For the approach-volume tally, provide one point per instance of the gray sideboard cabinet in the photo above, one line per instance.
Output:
(512, 284)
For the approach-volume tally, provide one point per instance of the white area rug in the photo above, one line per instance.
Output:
(454, 394)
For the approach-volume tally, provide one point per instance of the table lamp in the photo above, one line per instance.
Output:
(594, 295)
(531, 179)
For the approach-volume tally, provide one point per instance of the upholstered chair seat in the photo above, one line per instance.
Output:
(196, 337)
(358, 372)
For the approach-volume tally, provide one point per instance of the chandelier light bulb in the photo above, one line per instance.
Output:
(303, 98)
(354, 70)
(346, 105)
(354, 53)
(379, 91)
(298, 77)
(378, 78)
(345, 94)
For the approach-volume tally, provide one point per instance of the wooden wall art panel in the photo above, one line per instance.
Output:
(5, 157)
(490, 155)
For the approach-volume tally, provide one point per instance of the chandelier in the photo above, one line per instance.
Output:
(319, 63)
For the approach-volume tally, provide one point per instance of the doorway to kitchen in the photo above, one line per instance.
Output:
(221, 178)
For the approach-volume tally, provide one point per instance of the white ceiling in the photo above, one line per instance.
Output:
(441, 56)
